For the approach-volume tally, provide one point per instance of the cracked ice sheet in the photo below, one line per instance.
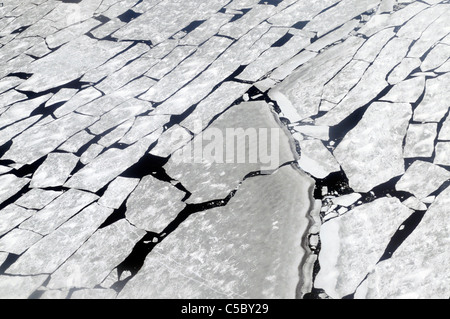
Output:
(54, 171)
(371, 84)
(363, 231)
(110, 164)
(11, 216)
(154, 204)
(372, 153)
(18, 241)
(422, 178)
(53, 250)
(223, 177)
(10, 185)
(59, 211)
(436, 99)
(93, 262)
(166, 19)
(209, 264)
(419, 268)
(75, 58)
(40, 140)
(302, 90)
(15, 287)
(344, 11)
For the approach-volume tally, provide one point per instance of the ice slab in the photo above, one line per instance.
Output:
(37, 198)
(59, 211)
(18, 241)
(372, 153)
(211, 170)
(11, 216)
(154, 204)
(420, 140)
(371, 84)
(418, 269)
(316, 159)
(442, 154)
(54, 171)
(210, 265)
(353, 244)
(422, 178)
(75, 58)
(110, 164)
(39, 141)
(51, 251)
(10, 185)
(93, 262)
(19, 287)
(118, 191)
(434, 105)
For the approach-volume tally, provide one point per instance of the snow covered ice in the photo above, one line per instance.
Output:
(118, 178)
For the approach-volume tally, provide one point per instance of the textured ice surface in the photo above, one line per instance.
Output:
(435, 99)
(224, 176)
(118, 191)
(60, 210)
(19, 287)
(18, 241)
(420, 140)
(203, 267)
(54, 171)
(51, 251)
(92, 263)
(101, 99)
(75, 58)
(10, 185)
(154, 204)
(363, 231)
(109, 165)
(372, 152)
(317, 160)
(11, 216)
(422, 179)
(418, 269)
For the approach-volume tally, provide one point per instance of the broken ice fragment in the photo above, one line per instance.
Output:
(202, 258)
(54, 171)
(223, 155)
(415, 204)
(420, 140)
(59, 211)
(19, 287)
(37, 198)
(51, 251)
(407, 91)
(316, 159)
(154, 204)
(422, 178)
(420, 264)
(118, 191)
(18, 241)
(363, 231)
(75, 58)
(435, 103)
(346, 200)
(442, 154)
(110, 164)
(170, 141)
(369, 161)
(11, 216)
